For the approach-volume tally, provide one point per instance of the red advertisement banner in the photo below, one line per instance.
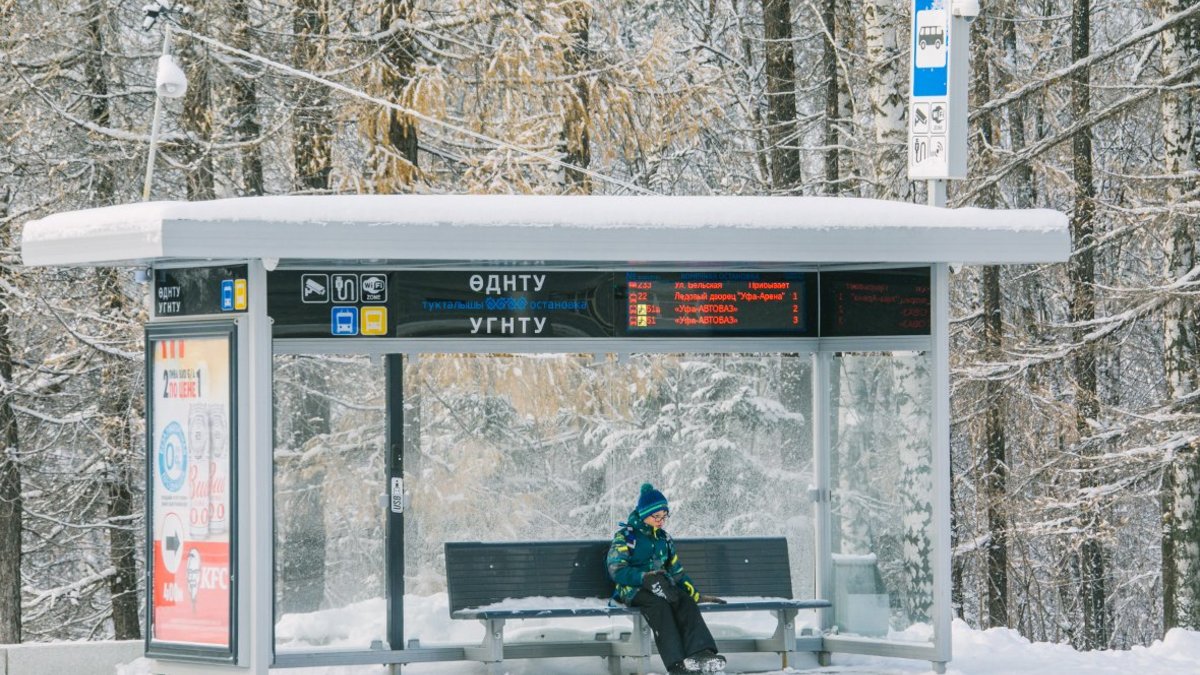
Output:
(191, 604)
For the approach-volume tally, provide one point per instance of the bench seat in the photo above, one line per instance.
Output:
(494, 582)
(621, 610)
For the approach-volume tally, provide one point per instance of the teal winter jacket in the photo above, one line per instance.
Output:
(638, 548)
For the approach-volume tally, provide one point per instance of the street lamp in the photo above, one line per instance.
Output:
(169, 81)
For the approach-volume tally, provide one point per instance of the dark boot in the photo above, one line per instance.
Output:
(707, 661)
(684, 667)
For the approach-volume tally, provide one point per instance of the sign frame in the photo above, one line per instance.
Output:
(937, 106)
(604, 295)
(180, 292)
(226, 332)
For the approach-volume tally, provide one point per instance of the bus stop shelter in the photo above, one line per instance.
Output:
(834, 289)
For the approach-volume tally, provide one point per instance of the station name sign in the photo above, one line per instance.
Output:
(194, 291)
(533, 303)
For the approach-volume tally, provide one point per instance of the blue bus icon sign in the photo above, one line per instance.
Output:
(344, 321)
(227, 295)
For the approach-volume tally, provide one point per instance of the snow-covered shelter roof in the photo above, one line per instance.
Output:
(445, 229)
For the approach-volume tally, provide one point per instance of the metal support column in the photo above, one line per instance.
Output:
(394, 554)
(822, 362)
(940, 425)
(783, 641)
(256, 531)
(491, 650)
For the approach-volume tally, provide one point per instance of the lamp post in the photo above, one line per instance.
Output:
(169, 82)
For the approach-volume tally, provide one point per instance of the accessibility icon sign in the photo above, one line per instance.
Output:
(344, 321)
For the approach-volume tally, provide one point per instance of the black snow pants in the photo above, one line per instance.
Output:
(679, 629)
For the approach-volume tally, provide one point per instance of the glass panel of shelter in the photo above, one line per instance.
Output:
(329, 526)
(554, 446)
(881, 495)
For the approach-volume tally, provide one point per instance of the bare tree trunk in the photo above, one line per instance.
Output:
(1082, 273)
(1023, 174)
(399, 67)
(795, 393)
(856, 404)
(11, 504)
(312, 146)
(995, 461)
(780, 69)
(245, 109)
(116, 407)
(888, 94)
(115, 399)
(747, 45)
(996, 458)
(911, 394)
(197, 122)
(302, 574)
(833, 117)
(577, 127)
(1181, 341)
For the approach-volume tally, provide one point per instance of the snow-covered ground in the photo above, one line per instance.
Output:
(976, 652)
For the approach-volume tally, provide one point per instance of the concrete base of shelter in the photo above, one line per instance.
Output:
(77, 658)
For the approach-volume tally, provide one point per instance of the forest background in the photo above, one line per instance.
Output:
(1076, 389)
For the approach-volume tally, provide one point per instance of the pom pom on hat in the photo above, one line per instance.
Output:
(650, 501)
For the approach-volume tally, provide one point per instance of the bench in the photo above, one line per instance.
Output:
(484, 578)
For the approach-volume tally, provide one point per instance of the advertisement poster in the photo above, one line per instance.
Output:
(190, 442)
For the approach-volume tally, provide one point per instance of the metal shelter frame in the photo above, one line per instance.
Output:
(549, 233)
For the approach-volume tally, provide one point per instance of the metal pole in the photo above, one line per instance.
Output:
(157, 122)
(940, 425)
(937, 192)
(394, 537)
(256, 531)
(823, 564)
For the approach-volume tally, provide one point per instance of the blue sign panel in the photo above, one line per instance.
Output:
(930, 48)
(343, 321)
(227, 295)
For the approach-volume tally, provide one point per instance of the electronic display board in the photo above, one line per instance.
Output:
(540, 303)
(683, 304)
(875, 302)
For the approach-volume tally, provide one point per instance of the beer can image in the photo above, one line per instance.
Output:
(218, 475)
(198, 470)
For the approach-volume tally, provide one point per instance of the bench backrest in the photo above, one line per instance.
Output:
(484, 573)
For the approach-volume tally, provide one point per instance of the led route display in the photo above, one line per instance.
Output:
(875, 302)
(718, 303)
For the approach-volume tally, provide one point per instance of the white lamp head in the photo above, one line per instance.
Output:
(967, 10)
(170, 82)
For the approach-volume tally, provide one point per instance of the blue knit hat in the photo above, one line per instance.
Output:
(651, 501)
